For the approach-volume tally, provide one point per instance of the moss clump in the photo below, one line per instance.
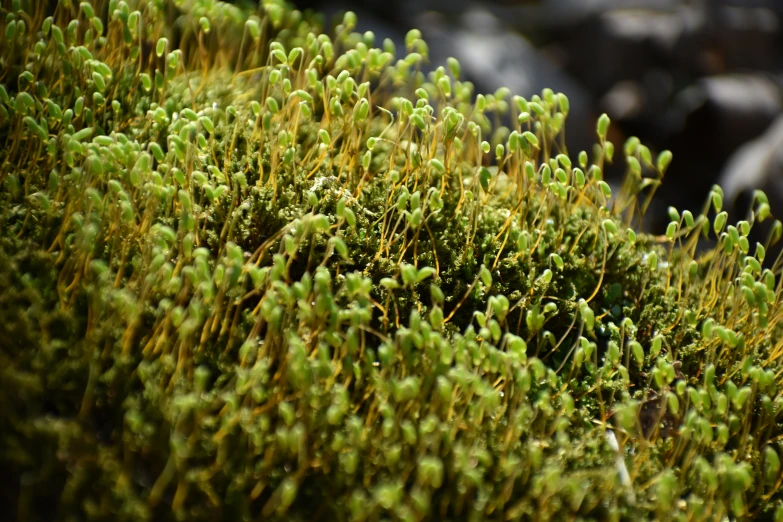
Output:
(249, 270)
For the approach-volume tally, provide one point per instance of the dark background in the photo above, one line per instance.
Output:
(701, 78)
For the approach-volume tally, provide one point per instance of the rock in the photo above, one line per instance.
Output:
(757, 164)
(748, 36)
(703, 125)
(625, 100)
(493, 56)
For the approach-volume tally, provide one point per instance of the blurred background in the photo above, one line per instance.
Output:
(702, 78)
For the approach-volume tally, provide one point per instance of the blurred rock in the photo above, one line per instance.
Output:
(707, 122)
(745, 103)
(748, 36)
(533, 16)
(757, 164)
(492, 56)
(624, 101)
(625, 44)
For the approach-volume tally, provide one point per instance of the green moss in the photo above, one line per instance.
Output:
(343, 304)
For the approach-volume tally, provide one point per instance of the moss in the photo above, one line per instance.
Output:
(285, 276)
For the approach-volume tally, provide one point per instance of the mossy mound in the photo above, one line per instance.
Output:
(251, 271)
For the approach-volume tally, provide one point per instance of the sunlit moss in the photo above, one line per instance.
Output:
(251, 269)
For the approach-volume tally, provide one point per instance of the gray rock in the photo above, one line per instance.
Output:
(492, 56)
(757, 164)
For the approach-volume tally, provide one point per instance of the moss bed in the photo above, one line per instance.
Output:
(254, 268)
